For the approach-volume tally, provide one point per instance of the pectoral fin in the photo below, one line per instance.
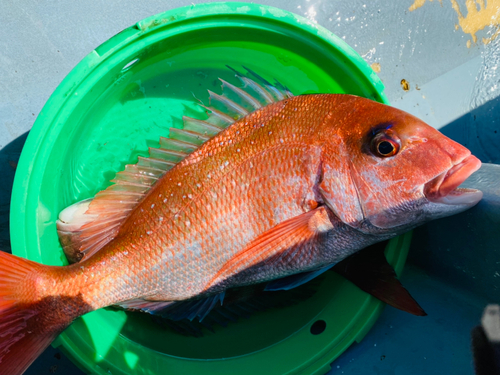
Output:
(282, 243)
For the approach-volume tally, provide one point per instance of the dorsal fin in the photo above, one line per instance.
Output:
(87, 226)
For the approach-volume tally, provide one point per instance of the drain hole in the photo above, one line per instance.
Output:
(126, 67)
(318, 327)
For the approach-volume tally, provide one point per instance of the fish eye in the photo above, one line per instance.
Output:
(383, 146)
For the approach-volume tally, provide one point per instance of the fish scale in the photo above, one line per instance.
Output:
(178, 230)
(285, 191)
(264, 144)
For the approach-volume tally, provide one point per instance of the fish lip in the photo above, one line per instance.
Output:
(444, 188)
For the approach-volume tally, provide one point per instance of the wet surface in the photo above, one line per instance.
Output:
(401, 344)
(453, 83)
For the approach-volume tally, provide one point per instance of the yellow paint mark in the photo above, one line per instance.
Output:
(417, 4)
(405, 85)
(479, 15)
(376, 67)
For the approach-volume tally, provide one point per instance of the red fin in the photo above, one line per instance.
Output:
(368, 270)
(87, 226)
(281, 242)
(28, 326)
(18, 346)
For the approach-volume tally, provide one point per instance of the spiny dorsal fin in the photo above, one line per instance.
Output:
(235, 103)
(87, 226)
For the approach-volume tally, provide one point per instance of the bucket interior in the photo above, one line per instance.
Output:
(110, 116)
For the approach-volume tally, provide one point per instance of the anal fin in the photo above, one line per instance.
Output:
(240, 302)
(176, 310)
(144, 305)
(293, 281)
(192, 309)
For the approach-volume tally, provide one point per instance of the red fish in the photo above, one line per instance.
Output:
(293, 186)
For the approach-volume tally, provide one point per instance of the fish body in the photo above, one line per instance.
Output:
(295, 186)
(189, 235)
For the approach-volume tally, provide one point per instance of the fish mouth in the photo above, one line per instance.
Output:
(444, 188)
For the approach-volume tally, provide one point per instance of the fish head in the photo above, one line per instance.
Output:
(404, 171)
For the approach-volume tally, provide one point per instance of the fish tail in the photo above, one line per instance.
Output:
(28, 322)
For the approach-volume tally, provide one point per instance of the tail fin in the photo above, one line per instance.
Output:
(28, 324)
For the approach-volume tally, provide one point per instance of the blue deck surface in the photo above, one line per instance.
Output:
(402, 344)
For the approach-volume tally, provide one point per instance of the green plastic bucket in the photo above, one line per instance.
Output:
(118, 101)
